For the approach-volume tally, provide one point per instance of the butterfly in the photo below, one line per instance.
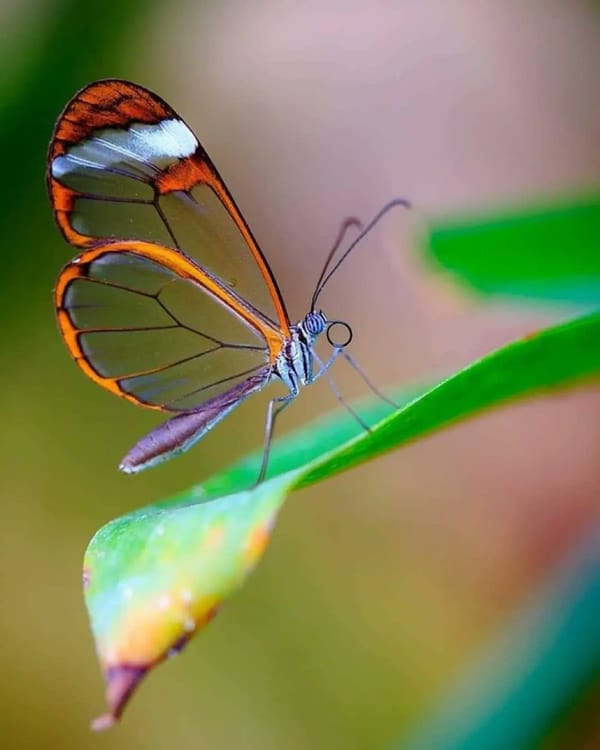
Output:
(171, 303)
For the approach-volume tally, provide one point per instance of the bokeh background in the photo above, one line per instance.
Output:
(382, 587)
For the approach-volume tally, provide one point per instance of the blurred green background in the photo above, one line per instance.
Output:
(382, 588)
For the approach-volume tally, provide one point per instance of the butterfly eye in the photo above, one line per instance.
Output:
(344, 334)
(314, 323)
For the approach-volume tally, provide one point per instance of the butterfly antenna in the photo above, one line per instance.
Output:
(326, 275)
(351, 221)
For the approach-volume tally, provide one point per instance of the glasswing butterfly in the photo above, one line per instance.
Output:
(171, 304)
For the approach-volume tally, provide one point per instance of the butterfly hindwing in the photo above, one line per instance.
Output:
(141, 321)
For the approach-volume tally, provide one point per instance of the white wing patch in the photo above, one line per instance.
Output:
(169, 138)
(139, 151)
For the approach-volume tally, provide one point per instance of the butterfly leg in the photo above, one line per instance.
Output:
(276, 406)
(354, 364)
(325, 371)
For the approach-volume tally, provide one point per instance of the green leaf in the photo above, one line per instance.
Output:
(549, 253)
(155, 576)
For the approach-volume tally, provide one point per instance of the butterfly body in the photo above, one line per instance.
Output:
(295, 363)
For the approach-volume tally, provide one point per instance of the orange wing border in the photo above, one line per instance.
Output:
(179, 264)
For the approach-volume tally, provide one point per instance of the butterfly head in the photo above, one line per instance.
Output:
(339, 333)
(314, 323)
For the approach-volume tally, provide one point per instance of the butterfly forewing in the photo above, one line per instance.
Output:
(123, 165)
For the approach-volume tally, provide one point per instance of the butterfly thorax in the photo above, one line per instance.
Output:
(294, 364)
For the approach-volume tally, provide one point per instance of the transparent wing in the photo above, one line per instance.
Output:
(123, 165)
(141, 320)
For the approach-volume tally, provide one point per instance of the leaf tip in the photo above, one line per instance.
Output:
(104, 722)
(121, 681)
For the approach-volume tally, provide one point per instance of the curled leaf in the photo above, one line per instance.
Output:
(154, 578)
